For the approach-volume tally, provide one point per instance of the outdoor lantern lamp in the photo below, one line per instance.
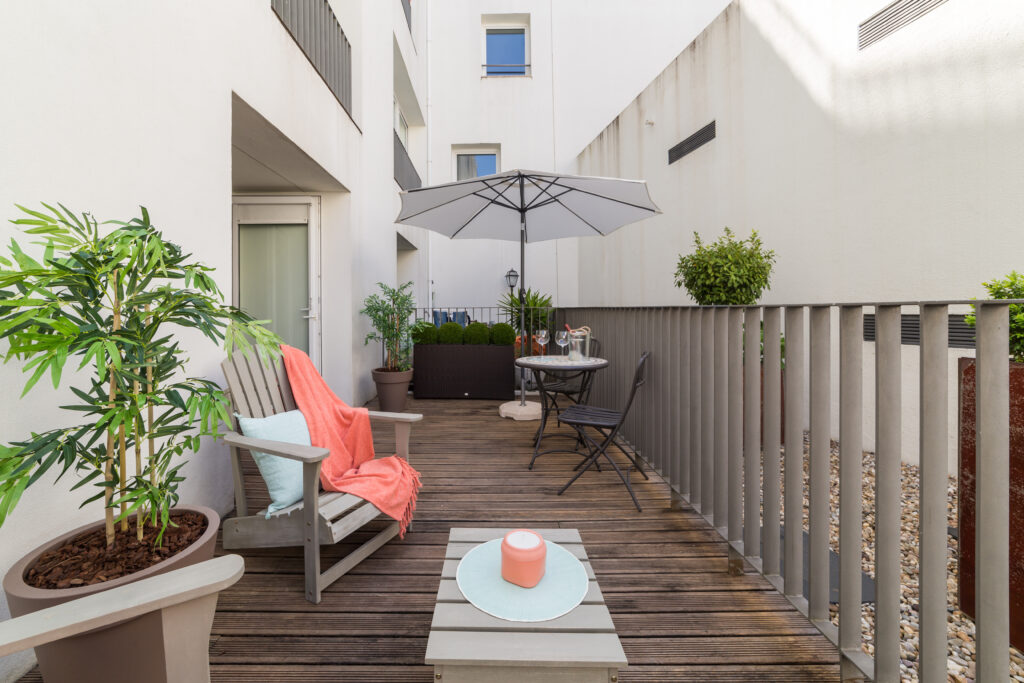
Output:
(511, 277)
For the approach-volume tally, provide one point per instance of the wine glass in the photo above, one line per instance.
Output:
(543, 338)
(562, 339)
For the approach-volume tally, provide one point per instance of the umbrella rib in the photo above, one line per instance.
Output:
(533, 180)
(438, 206)
(601, 196)
(585, 221)
(471, 219)
(552, 198)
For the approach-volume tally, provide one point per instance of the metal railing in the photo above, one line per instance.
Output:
(407, 8)
(698, 423)
(405, 172)
(506, 69)
(487, 314)
(316, 31)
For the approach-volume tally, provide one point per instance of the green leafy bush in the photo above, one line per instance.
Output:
(502, 334)
(450, 333)
(476, 333)
(424, 332)
(1009, 287)
(727, 271)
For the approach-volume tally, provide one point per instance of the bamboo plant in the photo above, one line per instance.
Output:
(116, 299)
(390, 313)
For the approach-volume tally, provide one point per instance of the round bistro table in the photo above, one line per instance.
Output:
(555, 363)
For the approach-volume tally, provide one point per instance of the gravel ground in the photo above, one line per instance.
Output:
(960, 662)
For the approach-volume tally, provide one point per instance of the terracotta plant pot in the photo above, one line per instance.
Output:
(392, 389)
(130, 651)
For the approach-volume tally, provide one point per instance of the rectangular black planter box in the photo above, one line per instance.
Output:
(463, 371)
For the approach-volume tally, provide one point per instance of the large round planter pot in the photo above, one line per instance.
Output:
(131, 651)
(392, 389)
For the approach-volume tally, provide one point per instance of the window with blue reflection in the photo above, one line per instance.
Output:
(473, 165)
(506, 51)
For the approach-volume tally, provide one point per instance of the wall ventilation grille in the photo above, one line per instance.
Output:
(960, 335)
(701, 137)
(891, 19)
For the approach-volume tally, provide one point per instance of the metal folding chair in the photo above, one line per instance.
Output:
(606, 423)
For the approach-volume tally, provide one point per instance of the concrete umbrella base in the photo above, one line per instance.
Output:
(512, 409)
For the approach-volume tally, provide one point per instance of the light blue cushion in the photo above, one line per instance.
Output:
(283, 476)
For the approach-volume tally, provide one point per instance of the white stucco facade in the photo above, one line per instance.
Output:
(891, 173)
(181, 107)
(587, 59)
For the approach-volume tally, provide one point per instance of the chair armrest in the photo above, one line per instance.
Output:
(395, 417)
(292, 451)
(124, 602)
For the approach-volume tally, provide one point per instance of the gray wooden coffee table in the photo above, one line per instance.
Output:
(467, 645)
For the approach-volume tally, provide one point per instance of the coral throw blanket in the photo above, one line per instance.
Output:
(389, 483)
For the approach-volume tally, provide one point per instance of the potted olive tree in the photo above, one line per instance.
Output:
(390, 313)
(109, 302)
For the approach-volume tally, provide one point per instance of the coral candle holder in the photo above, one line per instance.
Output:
(523, 557)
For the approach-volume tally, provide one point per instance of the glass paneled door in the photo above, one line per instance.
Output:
(277, 267)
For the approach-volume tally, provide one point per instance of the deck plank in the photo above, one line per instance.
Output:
(663, 572)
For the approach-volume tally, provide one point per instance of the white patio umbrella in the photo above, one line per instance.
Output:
(527, 206)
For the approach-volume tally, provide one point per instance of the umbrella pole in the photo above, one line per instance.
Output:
(522, 306)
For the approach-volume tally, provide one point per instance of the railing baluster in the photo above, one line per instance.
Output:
(721, 468)
(851, 459)
(771, 367)
(821, 417)
(696, 401)
(992, 458)
(752, 432)
(707, 414)
(888, 448)
(934, 480)
(735, 532)
(794, 485)
(685, 408)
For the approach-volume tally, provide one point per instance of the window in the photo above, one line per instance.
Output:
(473, 165)
(401, 126)
(506, 52)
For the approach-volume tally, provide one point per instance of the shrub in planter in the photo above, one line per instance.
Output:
(476, 333)
(424, 332)
(502, 334)
(450, 333)
(727, 271)
(114, 300)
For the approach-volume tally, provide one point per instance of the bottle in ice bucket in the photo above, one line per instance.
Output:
(576, 340)
(523, 556)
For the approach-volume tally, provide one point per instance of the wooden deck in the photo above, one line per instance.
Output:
(681, 616)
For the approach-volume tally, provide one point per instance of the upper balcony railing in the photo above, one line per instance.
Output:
(405, 173)
(699, 423)
(407, 7)
(316, 30)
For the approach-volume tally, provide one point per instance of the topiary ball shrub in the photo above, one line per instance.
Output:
(449, 333)
(502, 334)
(424, 332)
(476, 333)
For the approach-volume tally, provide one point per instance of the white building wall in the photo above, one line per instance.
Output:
(109, 106)
(588, 59)
(890, 173)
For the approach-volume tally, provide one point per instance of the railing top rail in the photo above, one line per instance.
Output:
(937, 302)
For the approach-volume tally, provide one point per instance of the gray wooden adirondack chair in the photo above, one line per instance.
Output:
(320, 518)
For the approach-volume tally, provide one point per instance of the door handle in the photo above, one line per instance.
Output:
(308, 317)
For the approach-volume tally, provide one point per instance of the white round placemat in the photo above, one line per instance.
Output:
(563, 587)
